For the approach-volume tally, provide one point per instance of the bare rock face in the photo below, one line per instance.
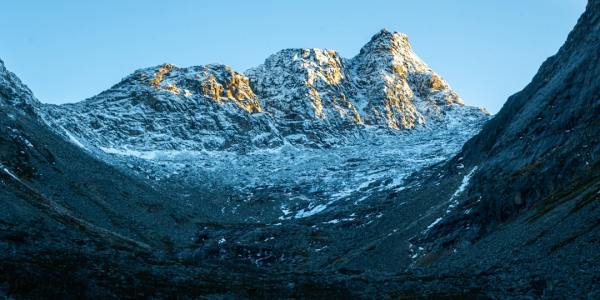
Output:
(307, 97)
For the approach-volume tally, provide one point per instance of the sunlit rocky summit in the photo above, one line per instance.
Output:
(307, 97)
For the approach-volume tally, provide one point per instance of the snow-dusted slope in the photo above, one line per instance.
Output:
(294, 182)
(305, 129)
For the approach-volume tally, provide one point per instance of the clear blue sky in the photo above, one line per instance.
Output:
(67, 51)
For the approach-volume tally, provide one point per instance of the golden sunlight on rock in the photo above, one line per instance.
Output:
(230, 86)
(436, 83)
(211, 87)
(172, 87)
(400, 111)
(316, 102)
(159, 75)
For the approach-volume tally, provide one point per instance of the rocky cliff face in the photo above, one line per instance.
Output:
(307, 97)
(305, 84)
(543, 147)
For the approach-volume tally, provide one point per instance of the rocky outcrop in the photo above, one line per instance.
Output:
(395, 87)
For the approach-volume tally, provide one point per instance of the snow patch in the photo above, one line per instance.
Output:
(438, 220)
(28, 143)
(149, 155)
(313, 211)
(73, 139)
(7, 171)
(460, 190)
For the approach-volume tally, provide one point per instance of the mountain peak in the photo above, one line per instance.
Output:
(384, 32)
(387, 41)
(292, 55)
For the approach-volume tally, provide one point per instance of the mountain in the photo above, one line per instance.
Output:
(307, 97)
(120, 196)
(303, 131)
